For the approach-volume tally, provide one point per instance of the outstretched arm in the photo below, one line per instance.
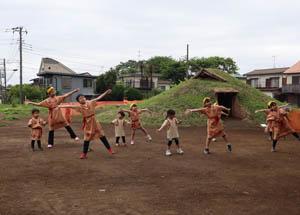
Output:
(145, 110)
(102, 95)
(71, 93)
(261, 110)
(126, 111)
(225, 108)
(39, 104)
(165, 123)
(69, 106)
(199, 110)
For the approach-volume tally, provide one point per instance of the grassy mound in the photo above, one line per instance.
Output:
(189, 94)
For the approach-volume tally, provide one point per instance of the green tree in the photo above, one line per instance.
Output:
(31, 92)
(225, 64)
(106, 81)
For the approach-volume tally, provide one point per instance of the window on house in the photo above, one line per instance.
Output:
(274, 82)
(87, 83)
(254, 82)
(66, 83)
(296, 80)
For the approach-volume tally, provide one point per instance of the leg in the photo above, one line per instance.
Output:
(168, 151)
(71, 132)
(106, 144)
(146, 133)
(32, 144)
(124, 140)
(207, 143)
(179, 150)
(229, 147)
(117, 141)
(39, 145)
(51, 139)
(274, 142)
(132, 136)
(85, 150)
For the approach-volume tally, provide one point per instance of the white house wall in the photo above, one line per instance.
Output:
(262, 79)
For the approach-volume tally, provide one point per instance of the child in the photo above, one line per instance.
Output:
(36, 124)
(91, 127)
(214, 124)
(119, 124)
(134, 114)
(277, 123)
(171, 123)
(56, 119)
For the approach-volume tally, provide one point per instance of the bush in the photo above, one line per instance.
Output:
(30, 92)
(133, 94)
(118, 93)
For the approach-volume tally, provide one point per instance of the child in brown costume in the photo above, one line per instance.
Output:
(214, 124)
(92, 129)
(36, 124)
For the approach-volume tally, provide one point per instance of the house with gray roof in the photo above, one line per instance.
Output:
(63, 79)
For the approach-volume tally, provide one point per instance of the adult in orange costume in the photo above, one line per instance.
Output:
(91, 127)
(277, 123)
(56, 118)
(214, 124)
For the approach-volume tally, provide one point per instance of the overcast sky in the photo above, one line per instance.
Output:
(94, 35)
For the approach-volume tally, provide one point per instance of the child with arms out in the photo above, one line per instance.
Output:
(119, 124)
(171, 123)
(134, 114)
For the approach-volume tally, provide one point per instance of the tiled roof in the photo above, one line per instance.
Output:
(267, 71)
(293, 69)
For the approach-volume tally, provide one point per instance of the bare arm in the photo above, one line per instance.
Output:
(194, 110)
(101, 96)
(145, 110)
(126, 111)
(69, 106)
(165, 123)
(39, 104)
(71, 93)
(261, 110)
(225, 108)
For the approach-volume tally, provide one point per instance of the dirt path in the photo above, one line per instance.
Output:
(141, 180)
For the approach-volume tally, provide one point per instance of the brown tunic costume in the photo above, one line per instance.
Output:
(214, 124)
(135, 119)
(91, 127)
(56, 118)
(36, 125)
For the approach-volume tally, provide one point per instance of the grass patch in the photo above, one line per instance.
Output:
(189, 94)
(15, 112)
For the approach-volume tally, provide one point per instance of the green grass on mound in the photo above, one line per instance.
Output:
(189, 94)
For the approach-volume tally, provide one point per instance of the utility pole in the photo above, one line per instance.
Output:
(20, 30)
(274, 61)
(187, 59)
(4, 71)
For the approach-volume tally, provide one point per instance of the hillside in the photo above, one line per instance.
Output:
(189, 94)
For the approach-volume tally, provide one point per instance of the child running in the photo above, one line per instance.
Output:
(91, 127)
(277, 123)
(214, 124)
(171, 123)
(56, 119)
(134, 114)
(36, 124)
(119, 124)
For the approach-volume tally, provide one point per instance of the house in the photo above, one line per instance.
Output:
(291, 86)
(269, 81)
(139, 81)
(63, 79)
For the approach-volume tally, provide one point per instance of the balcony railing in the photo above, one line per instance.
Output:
(291, 88)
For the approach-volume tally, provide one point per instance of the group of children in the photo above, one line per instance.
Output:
(277, 123)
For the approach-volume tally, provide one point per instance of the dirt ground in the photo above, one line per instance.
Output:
(139, 179)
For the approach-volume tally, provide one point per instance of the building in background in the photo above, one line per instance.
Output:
(63, 79)
(141, 82)
(280, 83)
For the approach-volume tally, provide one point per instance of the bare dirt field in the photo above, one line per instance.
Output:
(139, 179)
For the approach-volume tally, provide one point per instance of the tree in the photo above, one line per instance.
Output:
(31, 92)
(127, 67)
(106, 81)
(161, 64)
(225, 64)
